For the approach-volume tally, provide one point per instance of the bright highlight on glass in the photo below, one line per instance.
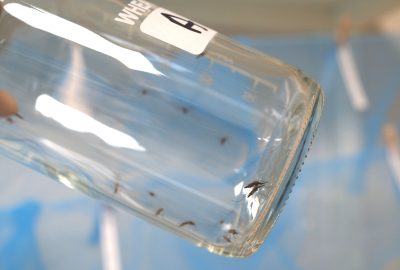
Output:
(78, 121)
(58, 26)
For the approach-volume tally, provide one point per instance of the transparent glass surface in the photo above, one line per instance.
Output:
(207, 146)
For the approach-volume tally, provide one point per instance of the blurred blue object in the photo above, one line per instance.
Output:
(344, 212)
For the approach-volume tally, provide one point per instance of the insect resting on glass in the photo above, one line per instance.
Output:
(117, 185)
(187, 223)
(159, 211)
(223, 140)
(227, 239)
(255, 186)
(233, 231)
(185, 110)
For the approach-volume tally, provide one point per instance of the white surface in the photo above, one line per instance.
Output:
(393, 157)
(111, 256)
(184, 33)
(351, 78)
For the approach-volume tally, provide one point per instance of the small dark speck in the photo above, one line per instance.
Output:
(227, 239)
(201, 55)
(152, 194)
(9, 120)
(159, 211)
(223, 140)
(221, 221)
(117, 186)
(185, 110)
(187, 223)
(19, 116)
(145, 92)
(233, 231)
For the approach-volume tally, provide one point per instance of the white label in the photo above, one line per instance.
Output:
(177, 31)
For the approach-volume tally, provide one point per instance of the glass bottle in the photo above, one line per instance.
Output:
(141, 107)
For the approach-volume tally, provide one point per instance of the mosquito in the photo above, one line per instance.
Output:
(117, 185)
(255, 186)
(223, 140)
(233, 232)
(187, 223)
(159, 211)
(227, 239)
(185, 110)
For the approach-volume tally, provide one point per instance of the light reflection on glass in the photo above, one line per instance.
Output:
(65, 182)
(253, 206)
(267, 139)
(253, 203)
(238, 188)
(79, 159)
(80, 122)
(63, 28)
(226, 227)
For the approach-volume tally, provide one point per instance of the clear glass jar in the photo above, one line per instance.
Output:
(176, 122)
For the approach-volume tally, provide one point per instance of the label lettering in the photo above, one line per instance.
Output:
(176, 30)
(132, 12)
(144, 5)
(135, 10)
(185, 23)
